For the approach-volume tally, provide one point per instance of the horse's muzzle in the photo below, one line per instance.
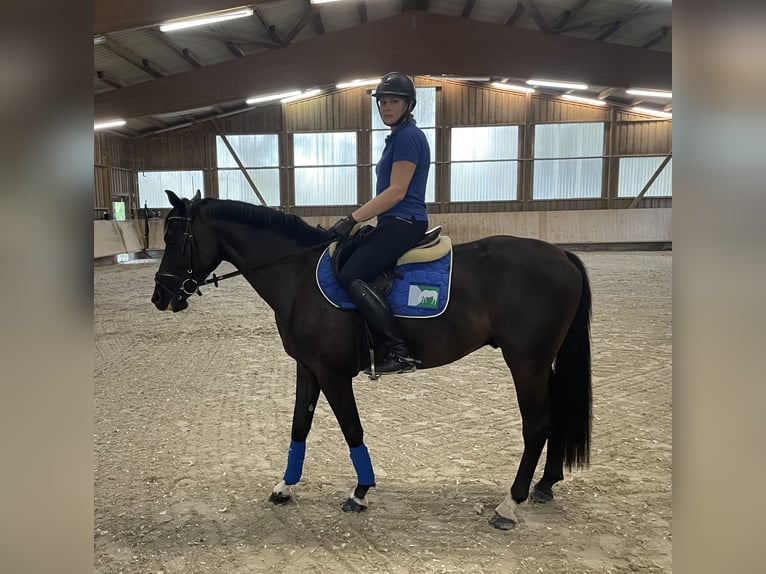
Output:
(163, 302)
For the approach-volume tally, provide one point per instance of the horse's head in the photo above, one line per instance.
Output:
(191, 254)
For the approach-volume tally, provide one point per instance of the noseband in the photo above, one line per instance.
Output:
(187, 285)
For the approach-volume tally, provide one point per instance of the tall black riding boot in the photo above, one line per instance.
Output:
(379, 316)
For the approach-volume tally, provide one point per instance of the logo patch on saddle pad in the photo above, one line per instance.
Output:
(422, 291)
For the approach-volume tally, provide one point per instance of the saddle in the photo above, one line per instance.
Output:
(429, 248)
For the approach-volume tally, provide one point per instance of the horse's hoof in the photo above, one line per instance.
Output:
(540, 496)
(352, 505)
(279, 498)
(502, 523)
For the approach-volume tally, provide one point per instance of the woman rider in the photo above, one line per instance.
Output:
(400, 207)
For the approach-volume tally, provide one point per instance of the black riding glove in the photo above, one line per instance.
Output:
(342, 227)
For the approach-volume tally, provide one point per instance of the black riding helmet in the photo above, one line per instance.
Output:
(397, 84)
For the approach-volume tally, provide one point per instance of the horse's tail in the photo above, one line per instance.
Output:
(571, 382)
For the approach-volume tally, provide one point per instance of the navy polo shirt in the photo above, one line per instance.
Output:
(406, 143)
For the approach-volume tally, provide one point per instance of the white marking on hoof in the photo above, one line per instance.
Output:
(282, 489)
(507, 508)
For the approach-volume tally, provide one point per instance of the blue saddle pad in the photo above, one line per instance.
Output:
(423, 290)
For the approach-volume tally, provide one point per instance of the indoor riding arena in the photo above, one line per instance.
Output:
(571, 145)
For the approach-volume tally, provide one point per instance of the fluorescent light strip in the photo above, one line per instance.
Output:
(649, 93)
(99, 39)
(109, 124)
(355, 83)
(651, 112)
(512, 88)
(182, 23)
(306, 94)
(323, 1)
(554, 84)
(461, 78)
(261, 99)
(584, 100)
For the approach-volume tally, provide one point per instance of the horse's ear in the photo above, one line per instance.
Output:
(175, 201)
(197, 196)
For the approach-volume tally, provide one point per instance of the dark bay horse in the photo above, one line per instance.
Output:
(526, 297)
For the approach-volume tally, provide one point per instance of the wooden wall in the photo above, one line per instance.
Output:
(457, 103)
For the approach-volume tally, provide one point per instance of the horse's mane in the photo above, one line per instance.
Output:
(264, 218)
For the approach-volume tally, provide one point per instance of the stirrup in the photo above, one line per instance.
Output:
(397, 364)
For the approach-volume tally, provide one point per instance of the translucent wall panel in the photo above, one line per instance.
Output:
(472, 179)
(333, 148)
(635, 173)
(152, 186)
(569, 140)
(233, 185)
(379, 142)
(253, 150)
(568, 178)
(325, 186)
(316, 184)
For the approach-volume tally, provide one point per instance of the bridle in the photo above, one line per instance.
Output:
(188, 285)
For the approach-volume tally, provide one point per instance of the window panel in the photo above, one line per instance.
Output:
(568, 178)
(474, 176)
(325, 172)
(635, 173)
(253, 150)
(152, 186)
(325, 185)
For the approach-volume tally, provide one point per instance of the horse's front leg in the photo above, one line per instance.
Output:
(340, 396)
(306, 396)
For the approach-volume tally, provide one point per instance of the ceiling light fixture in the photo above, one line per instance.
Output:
(461, 78)
(204, 19)
(355, 83)
(555, 84)
(512, 88)
(300, 96)
(649, 93)
(580, 99)
(323, 1)
(98, 39)
(109, 124)
(261, 99)
(652, 112)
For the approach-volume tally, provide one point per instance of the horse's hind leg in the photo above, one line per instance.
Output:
(554, 465)
(532, 392)
(306, 396)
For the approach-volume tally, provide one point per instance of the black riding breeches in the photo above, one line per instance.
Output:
(380, 248)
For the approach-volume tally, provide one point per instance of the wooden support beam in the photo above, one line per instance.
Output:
(270, 29)
(301, 24)
(467, 7)
(536, 16)
(185, 53)
(649, 183)
(108, 79)
(613, 27)
(240, 40)
(658, 38)
(234, 49)
(361, 7)
(219, 130)
(143, 64)
(569, 15)
(514, 17)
